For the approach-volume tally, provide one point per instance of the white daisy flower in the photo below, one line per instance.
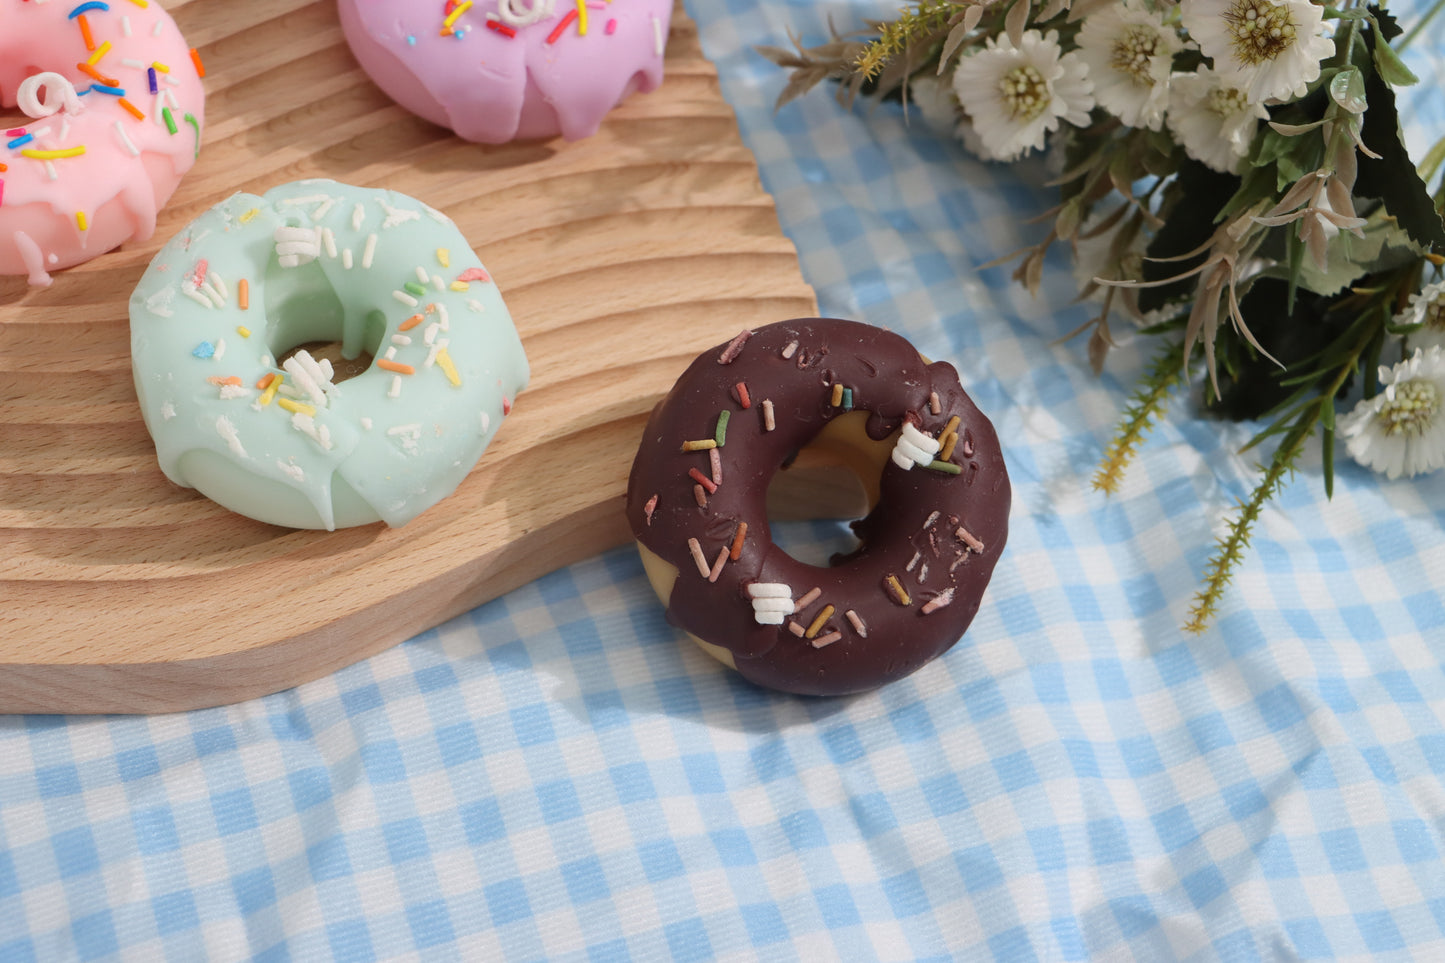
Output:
(933, 99)
(1129, 53)
(1213, 120)
(1401, 431)
(1016, 95)
(1270, 48)
(1427, 308)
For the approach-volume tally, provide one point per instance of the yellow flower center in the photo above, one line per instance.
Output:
(1024, 92)
(1226, 101)
(1260, 30)
(1413, 409)
(1132, 52)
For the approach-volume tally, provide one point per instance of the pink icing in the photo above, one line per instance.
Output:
(490, 87)
(117, 191)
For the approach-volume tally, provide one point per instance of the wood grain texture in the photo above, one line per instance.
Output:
(621, 257)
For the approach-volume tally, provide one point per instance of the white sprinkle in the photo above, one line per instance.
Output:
(50, 171)
(366, 423)
(436, 349)
(913, 562)
(657, 36)
(396, 215)
(400, 339)
(857, 624)
(432, 212)
(232, 392)
(125, 140)
(933, 405)
(443, 318)
(969, 539)
(346, 259)
(475, 305)
(297, 201)
(768, 422)
(309, 376)
(133, 63)
(421, 275)
(438, 283)
(168, 411)
(328, 239)
(156, 114)
(196, 296)
(219, 283)
(430, 334)
(64, 128)
(931, 519)
(404, 298)
(788, 351)
(212, 292)
(296, 472)
(307, 425)
(125, 25)
(227, 431)
(486, 420)
(170, 80)
(324, 209)
(769, 590)
(923, 573)
(369, 252)
(404, 430)
(220, 349)
(156, 31)
(766, 604)
(159, 303)
(395, 390)
(358, 215)
(390, 354)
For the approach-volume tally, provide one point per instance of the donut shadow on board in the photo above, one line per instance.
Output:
(937, 489)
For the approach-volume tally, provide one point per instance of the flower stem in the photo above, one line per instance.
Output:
(1419, 26)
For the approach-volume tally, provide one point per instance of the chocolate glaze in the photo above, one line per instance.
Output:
(891, 382)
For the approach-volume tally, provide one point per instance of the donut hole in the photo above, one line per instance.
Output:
(303, 311)
(814, 499)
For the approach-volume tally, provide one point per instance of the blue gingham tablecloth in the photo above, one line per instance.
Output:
(556, 775)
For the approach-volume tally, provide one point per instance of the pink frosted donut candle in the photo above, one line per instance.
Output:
(111, 112)
(500, 70)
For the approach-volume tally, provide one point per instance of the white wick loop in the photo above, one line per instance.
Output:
(522, 13)
(59, 93)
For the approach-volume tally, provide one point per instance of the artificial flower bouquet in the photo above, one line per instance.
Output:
(1232, 175)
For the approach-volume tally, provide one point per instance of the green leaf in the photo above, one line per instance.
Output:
(1392, 69)
(1385, 21)
(1392, 178)
(1327, 446)
(1348, 90)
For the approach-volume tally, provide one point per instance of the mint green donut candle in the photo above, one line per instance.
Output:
(276, 433)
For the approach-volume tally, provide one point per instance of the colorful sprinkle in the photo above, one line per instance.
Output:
(897, 591)
(702, 480)
(837, 398)
(297, 407)
(702, 445)
(937, 602)
(270, 391)
(151, 80)
(204, 350)
(768, 421)
(720, 433)
(734, 348)
(444, 257)
(699, 496)
(715, 461)
(413, 288)
(969, 539)
(817, 624)
(86, 8)
(169, 119)
(100, 52)
(947, 467)
(474, 274)
(85, 33)
(196, 126)
(736, 551)
(411, 322)
(243, 294)
(196, 59)
(847, 399)
(133, 110)
(444, 361)
(717, 566)
(857, 623)
(933, 405)
(796, 628)
(808, 599)
(742, 390)
(649, 508)
(395, 366)
(243, 331)
(501, 28)
(562, 25)
(696, 549)
(828, 639)
(611, 27)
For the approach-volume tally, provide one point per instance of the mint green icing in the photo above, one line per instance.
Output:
(363, 455)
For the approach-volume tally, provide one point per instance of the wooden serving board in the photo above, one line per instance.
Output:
(621, 257)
